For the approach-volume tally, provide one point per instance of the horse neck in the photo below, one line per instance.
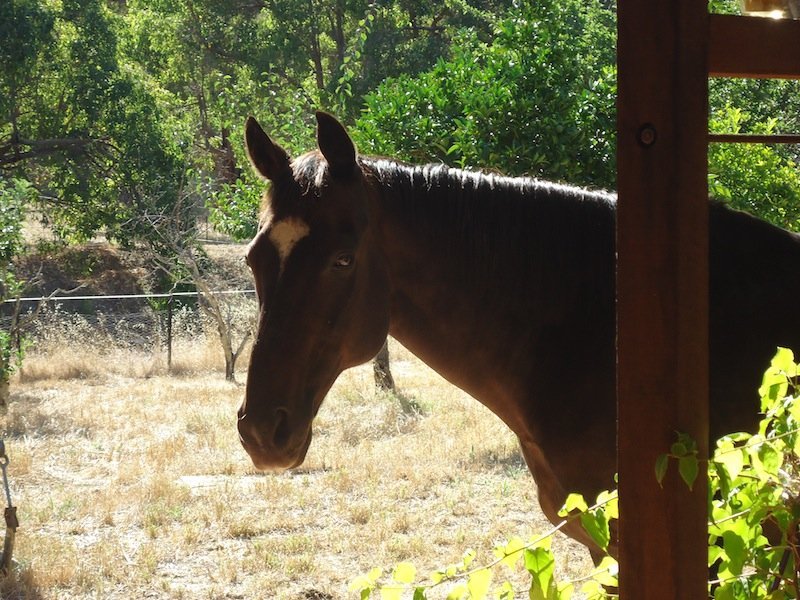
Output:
(465, 269)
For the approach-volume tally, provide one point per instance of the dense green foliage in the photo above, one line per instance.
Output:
(755, 515)
(118, 115)
(539, 99)
(14, 194)
(118, 112)
(77, 122)
(760, 179)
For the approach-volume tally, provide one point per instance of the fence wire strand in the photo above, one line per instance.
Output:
(134, 321)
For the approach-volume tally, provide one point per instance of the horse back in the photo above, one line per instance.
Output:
(754, 292)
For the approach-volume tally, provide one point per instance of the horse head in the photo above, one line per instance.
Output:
(321, 284)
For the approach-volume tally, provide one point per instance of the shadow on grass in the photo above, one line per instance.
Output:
(19, 584)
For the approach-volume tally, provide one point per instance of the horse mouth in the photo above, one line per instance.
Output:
(270, 459)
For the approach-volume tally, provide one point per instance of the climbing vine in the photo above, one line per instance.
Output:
(754, 520)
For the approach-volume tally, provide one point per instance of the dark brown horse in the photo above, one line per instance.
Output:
(505, 286)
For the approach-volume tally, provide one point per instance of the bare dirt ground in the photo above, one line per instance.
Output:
(131, 483)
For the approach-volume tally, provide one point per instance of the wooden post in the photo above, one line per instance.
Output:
(662, 292)
(170, 306)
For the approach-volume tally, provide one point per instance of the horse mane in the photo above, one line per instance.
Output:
(459, 196)
(498, 228)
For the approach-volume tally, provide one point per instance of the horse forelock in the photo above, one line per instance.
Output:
(310, 171)
(306, 179)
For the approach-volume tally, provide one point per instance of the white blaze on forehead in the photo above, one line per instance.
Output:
(285, 234)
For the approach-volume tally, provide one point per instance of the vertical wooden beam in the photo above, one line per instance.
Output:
(662, 292)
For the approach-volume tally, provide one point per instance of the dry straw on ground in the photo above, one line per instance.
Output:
(132, 484)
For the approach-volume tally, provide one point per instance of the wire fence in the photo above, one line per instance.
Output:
(145, 322)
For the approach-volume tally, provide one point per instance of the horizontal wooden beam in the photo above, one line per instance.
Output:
(753, 47)
(747, 138)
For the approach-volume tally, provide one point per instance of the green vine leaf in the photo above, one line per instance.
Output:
(606, 572)
(689, 468)
(404, 573)
(662, 464)
(391, 592)
(458, 592)
(596, 525)
(573, 502)
(478, 584)
(540, 563)
(511, 553)
(735, 550)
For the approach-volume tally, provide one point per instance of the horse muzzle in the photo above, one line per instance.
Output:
(272, 444)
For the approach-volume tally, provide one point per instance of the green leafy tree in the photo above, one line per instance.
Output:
(406, 37)
(234, 208)
(754, 177)
(305, 54)
(84, 131)
(14, 195)
(210, 64)
(539, 98)
(202, 58)
(764, 100)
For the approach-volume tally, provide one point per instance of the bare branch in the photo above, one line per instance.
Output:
(170, 234)
(18, 150)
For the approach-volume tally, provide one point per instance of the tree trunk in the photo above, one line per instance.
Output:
(230, 368)
(4, 392)
(212, 308)
(316, 50)
(381, 369)
(225, 168)
(215, 310)
(337, 33)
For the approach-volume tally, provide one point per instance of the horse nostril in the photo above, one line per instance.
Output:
(282, 430)
(248, 432)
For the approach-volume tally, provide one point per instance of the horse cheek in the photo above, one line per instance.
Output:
(370, 320)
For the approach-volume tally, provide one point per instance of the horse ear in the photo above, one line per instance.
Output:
(268, 159)
(335, 145)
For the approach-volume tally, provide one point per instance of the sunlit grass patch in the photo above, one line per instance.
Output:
(133, 486)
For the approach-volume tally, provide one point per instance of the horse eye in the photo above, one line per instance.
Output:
(344, 261)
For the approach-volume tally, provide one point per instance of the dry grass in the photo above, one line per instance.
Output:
(132, 484)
